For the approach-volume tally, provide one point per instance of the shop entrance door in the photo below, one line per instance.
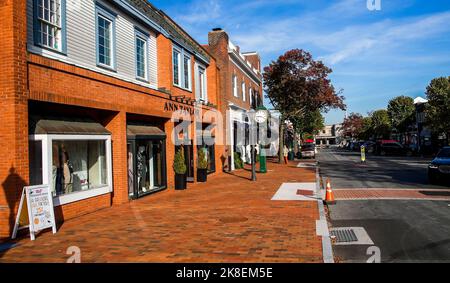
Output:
(146, 167)
(189, 157)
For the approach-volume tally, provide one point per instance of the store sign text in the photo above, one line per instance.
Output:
(170, 106)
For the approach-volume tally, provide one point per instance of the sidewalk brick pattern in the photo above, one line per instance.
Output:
(228, 219)
(355, 194)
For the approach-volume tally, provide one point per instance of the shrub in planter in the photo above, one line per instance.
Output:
(179, 166)
(238, 163)
(202, 166)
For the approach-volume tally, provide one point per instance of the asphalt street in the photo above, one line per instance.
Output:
(345, 170)
(402, 230)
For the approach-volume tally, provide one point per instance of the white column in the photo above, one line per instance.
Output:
(231, 142)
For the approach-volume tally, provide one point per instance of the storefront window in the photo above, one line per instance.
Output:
(35, 164)
(78, 165)
(149, 166)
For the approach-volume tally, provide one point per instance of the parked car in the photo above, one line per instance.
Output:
(439, 168)
(370, 146)
(308, 150)
(391, 147)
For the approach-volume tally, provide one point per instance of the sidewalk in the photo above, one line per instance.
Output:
(228, 219)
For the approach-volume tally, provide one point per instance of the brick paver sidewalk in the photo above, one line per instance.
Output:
(228, 219)
(409, 194)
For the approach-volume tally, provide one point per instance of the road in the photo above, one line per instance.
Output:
(345, 170)
(408, 228)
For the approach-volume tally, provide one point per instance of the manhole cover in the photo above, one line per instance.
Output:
(344, 235)
(233, 219)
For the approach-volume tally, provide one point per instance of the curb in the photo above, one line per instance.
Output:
(327, 250)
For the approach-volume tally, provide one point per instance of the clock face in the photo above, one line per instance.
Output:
(261, 116)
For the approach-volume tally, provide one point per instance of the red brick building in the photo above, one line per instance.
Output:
(240, 91)
(88, 89)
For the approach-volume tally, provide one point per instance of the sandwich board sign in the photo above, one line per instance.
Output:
(38, 203)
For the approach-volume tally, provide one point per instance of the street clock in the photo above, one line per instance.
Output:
(261, 116)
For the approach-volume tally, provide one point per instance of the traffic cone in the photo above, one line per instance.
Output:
(329, 196)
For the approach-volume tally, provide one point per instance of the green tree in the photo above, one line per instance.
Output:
(366, 132)
(381, 124)
(438, 109)
(311, 122)
(401, 111)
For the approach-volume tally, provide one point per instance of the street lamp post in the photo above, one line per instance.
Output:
(255, 118)
(251, 117)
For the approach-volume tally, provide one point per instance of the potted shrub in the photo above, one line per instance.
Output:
(238, 163)
(179, 166)
(202, 166)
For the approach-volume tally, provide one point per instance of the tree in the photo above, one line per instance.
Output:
(438, 109)
(381, 124)
(401, 111)
(296, 85)
(366, 129)
(352, 125)
(311, 122)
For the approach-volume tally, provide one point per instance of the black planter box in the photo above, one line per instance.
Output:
(202, 175)
(180, 181)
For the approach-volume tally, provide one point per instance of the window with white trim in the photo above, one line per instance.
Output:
(203, 95)
(187, 71)
(250, 95)
(181, 63)
(105, 38)
(141, 43)
(48, 24)
(243, 91)
(234, 82)
(176, 67)
(74, 166)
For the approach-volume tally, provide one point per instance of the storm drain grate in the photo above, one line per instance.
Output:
(344, 235)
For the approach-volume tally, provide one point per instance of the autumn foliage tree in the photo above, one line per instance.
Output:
(353, 125)
(298, 86)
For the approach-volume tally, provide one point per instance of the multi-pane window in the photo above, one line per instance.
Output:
(187, 71)
(234, 81)
(49, 24)
(141, 56)
(176, 67)
(202, 83)
(243, 91)
(181, 68)
(105, 38)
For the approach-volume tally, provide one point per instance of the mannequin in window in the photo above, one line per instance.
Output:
(57, 170)
(67, 171)
(141, 168)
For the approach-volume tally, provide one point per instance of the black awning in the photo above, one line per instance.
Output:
(142, 131)
(57, 126)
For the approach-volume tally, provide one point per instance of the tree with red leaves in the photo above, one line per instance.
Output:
(353, 125)
(297, 86)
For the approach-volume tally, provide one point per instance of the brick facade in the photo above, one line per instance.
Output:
(34, 79)
(219, 46)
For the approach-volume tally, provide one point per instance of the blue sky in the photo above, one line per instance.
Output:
(375, 55)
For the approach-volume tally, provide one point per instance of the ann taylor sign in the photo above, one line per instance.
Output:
(172, 107)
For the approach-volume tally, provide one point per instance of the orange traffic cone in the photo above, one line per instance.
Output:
(329, 196)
